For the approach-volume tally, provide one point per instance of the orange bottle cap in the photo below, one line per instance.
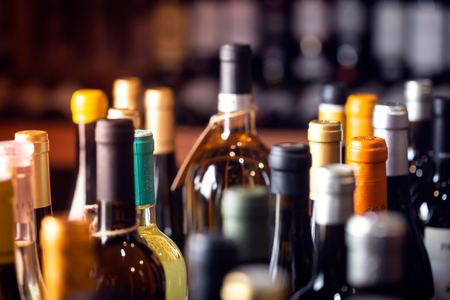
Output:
(367, 149)
(360, 105)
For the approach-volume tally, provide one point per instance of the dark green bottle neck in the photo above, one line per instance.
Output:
(441, 148)
(419, 139)
(331, 256)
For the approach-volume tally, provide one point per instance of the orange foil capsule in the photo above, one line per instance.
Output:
(358, 112)
(367, 156)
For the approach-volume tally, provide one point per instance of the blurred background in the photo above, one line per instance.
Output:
(50, 48)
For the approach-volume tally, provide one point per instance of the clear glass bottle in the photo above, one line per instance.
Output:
(292, 250)
(126, 267)
(334, 207)
(87, 107)
(170, 255)
(9, 288)
(18, 157)
(233, 155)
(390, 122)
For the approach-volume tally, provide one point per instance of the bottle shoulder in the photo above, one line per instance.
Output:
(163, 246)
(314, 291)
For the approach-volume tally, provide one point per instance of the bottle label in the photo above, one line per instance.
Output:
(437, 243)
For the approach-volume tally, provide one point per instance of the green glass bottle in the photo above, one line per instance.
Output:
(167, 251)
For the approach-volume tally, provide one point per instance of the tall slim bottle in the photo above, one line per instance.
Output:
(41, 175)
(436, 215)
(245, 213)
(170, 255)
(335, 186)
(18, 157)
(160, 120)
(9, 288)
(88, 106)
(379, 238)
(358, 112)
(292, 250)
(234, 155)
(390, 121)
(70, 254)
(418, 102)
(367, 156)
(126, 268)
(333, 97)
(325, 142)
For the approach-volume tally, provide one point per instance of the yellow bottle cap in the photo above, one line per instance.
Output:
(88, 105)
(325, 131)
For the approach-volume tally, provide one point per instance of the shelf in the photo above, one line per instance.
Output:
(62, 138)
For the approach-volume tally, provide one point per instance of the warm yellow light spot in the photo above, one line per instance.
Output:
(252, 173)
(436, 193)
(141, 262)
(261, 165)
(412, 169)
(132, 245)
(132, 269)
(124, 244)
(232, 154)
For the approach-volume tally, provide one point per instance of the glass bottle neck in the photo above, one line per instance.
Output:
(244, 124)
(442, 170)
(146, 215)
(331, 259)
(115, 215)
(419, 139)
(86, 158)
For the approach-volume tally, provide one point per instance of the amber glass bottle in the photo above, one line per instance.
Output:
(234, 155)
(367, 156)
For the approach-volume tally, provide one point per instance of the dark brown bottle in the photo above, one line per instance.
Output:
(127, 268)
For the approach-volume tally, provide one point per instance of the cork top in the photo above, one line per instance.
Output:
(88, 105)
(325, 131)
(367, 149)
(360, 105)
(38, 137)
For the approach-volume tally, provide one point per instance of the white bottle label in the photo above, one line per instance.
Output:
(437, 242)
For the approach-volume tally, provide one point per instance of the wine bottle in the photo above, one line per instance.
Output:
(333, 97)
(325, 141)
(245, 213)
(367, 156)
(9, 288)
(87, 107)
(379, 238)
(167, 251)
(358, 113)
(390, 122)
(70, 256)
(233, 155)
(160, 120)
(18, 157)
(292, 249)
(418, 102)
(257, 283)
(126, 268)
(41, 175)
(127, 100)
(437, 230)
(125, 113)
(209, 260)
(335, 185)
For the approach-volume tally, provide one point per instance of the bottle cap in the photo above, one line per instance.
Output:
(159, 98)
(70, 256)
(375, 249)
(114, 131)
(334, 189)
(418, 99)
(254, 282)
(235, 69)
(247, 203)
(125, 113)
(290, 157)
(360, 105)
(39, 138)
(325, 131)
(334, 93)
(390, 116)
(441, 106)
(367, 149)
(126, 92)
(144, 167)
(17, 154)
(209, 259)
(88, 105)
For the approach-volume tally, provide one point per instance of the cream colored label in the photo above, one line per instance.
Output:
(437, 243)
